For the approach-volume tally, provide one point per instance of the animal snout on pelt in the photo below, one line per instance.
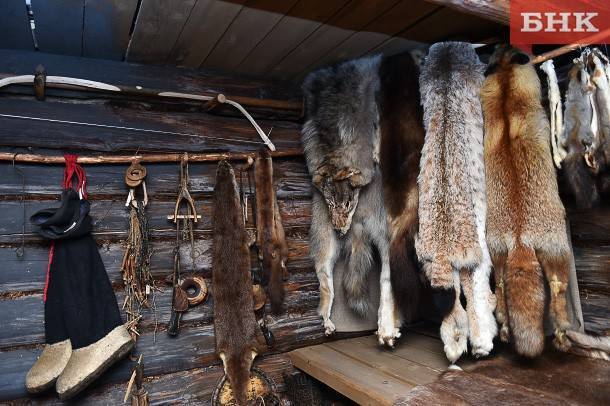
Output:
(340, 189)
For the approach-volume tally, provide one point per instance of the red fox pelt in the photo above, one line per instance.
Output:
(526, 229)
(273, 250)
(234, 323)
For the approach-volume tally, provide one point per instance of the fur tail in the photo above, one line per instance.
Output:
(524, 287)
(355, 278)
(404, 276)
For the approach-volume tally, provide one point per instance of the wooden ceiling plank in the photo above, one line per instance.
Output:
(492, 10)
(447, 24)
(106, 28)
(254, 22)
(208, 22)
(353, 17)
(295, 27)
(158, 26)
(16, 33)
(387, 25)
(59, 26)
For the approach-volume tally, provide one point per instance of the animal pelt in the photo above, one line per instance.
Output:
(402, 137)
(598, 155)
(452, 205)
(526, 229)
(273, 250)
(234, 323)
(555, 111)
(579, 135)
(341, 141)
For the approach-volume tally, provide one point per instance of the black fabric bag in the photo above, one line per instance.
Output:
(80, 303)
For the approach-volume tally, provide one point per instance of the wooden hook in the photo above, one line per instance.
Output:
(40, 82)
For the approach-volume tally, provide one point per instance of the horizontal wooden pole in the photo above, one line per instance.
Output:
(593, 39)
(125, 159)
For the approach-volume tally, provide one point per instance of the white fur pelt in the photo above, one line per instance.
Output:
(341, 140)
(556, 114)
(452, 200)
(602, 100)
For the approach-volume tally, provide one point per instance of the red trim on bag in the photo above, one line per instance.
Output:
(46, 283)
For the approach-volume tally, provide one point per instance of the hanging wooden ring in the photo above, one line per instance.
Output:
(135, 174)
(196, 283)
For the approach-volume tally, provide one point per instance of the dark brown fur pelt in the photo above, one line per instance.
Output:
(526, 229)
(402, 137)
(273, 250)
(578, 135)
(234, 323)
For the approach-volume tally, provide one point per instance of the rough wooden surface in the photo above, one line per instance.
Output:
(554, 378)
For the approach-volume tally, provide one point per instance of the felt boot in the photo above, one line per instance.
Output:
(87, 363)
(49, 365)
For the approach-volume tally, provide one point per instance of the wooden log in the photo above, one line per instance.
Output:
(105, 127)
(18, 62)
(494, 10)
(193, 348)
(193, 387)
(106, 181)
(589, 226)
(111, 218)
(24, 316)
(26, 275)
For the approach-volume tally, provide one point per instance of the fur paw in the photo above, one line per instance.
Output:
(561, 341)
(329, 327)
(387, 338)
(455, 347)
(387, 331)
(504, 333)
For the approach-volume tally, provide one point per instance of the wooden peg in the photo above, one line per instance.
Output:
(215, 102)
(40, 82)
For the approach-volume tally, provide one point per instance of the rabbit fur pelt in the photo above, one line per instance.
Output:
(526, 229)
(451, 240)
(341, 141)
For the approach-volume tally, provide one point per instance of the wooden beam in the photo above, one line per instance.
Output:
(593, 39)
(123, 159)
(493, 10)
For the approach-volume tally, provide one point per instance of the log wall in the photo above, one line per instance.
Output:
(183, 369)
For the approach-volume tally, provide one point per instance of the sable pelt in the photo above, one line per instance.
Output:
(402, 137)
(341, 142)
(234, 323)
(450, 242)
(526, 229)
(273, 250)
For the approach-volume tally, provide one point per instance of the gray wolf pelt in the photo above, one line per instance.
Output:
(450, 242)
(341, 140)
(234, 324)
(526, 229)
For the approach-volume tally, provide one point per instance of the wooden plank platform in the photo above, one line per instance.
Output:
(370, 375)
(415, 373)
